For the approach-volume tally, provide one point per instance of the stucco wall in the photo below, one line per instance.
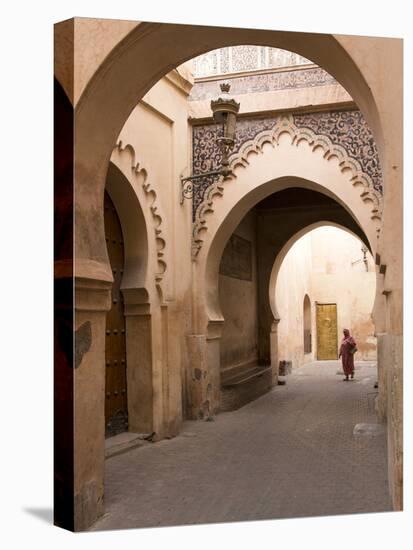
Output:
(320, 264)
(238, 299)
(293, 283)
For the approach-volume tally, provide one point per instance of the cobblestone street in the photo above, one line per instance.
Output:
(290, 453)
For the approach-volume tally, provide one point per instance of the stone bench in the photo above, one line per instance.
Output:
(244, 383)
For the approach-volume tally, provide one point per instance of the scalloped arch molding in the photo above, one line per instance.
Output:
(357, 178)
(141, 174)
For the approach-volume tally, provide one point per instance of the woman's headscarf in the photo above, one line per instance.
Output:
(346, 332)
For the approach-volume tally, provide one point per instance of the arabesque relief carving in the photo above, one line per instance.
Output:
(365, 170)
(286, 80)
(348, 129)
(245, 58)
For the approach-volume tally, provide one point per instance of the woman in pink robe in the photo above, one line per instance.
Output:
(347, 350)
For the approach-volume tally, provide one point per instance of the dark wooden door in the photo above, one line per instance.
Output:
(116, 406)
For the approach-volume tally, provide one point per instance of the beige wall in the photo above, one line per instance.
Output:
(238, 298)
(320, 264)
(293, 283)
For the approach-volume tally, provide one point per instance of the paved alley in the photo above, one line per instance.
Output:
(290, 453)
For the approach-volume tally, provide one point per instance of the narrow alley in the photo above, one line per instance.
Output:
(294, 452)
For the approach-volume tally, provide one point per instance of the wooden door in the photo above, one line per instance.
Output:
(326, 331)
(116, 406)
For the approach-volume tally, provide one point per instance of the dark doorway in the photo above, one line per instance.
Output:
(116, 406)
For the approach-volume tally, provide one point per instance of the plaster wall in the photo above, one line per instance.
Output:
(238, 298)
(293, 283)
(320, 264)
(338, 280)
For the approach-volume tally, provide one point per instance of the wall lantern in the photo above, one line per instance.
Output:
(364, 250)
(224, 111)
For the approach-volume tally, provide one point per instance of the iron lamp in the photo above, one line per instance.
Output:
(224, 112)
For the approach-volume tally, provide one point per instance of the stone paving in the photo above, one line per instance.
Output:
(291, 453)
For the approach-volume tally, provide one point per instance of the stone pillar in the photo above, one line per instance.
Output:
(388, 318)
(92, 301)
(172, 331)
(382, 353)
(153, 365)
(213, 390)
(139, 360)
(274, 351)
(197, 369)
(203, 376)
(394, 360)
(265, 315)
(379, 320)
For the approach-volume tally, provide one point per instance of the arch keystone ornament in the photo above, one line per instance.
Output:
(285, 126)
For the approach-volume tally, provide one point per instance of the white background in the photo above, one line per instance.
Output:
(26, 207)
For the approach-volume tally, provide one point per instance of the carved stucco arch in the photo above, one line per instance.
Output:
(285, 126)
(148, 254)
(283, 253)
(131, 190)
(131, 68)
(273, 167)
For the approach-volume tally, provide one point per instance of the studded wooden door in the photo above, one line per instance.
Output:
(326, 331)
(116, 406)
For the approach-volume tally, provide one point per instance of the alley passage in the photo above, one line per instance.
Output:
(290, 453)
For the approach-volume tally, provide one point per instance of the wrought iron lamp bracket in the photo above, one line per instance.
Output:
(224, 110)
(191, 183)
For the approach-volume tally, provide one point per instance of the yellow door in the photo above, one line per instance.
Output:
(326, 331)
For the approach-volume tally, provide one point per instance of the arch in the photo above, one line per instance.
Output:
(127, 161)
(271, 163)
(287, 247)
(134, 228)
(128, 72)
(362, 318)
(227, 216)
(289, 163)
(138, 290)
(307, 344)
(285, 126)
